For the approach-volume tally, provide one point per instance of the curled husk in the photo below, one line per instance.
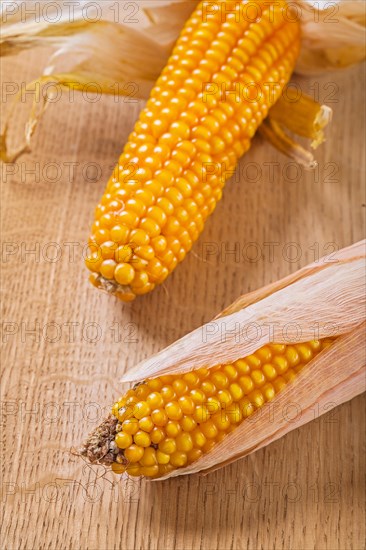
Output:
(324, 299)
(123, 52)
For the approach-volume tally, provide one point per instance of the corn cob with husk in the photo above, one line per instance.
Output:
(224, 74)
(204, 401)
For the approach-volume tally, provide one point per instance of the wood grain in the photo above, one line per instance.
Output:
(65, 344)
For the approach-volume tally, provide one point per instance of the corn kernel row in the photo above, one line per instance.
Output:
(171, 421)
(186, 143)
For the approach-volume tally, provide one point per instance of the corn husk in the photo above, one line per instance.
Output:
(333, 35)
(324, 299)
(301, 116)
(112, 53)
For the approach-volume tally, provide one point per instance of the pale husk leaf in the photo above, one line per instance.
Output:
(327, 298)
(333, 35)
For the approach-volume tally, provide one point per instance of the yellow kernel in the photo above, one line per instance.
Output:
(258, 378)
(141, 409)
(142, 391)
(155, 400)
(93, 262)
(208, 387)
(157, 435)
(256, 397)
(234, 413)
(315, 345)
(107, 269)
(145, 252)
(197, 396)
(146, 424)
(225, 397)
(231, 372)
(246, 407)
(188, 423)
(139, 237)
(253, 361)
(221, 421)
(269, 371)
(220, 380)
(186, 404)
(150, 226)
(173, 410)
(198, 438)
(159, 244)
(268, 391)
(154, 269)
(123, 254)
(159, 417)
(214, 404)
(130, 219)
(134, 453)
(118, 468)
(191, 379)
(246, 384)
(201, 414)
(149, 471)
(184, 442)
(120, 234)
(305, 352)
(278, 348)
(180, 387)
(178, 459)
(136, 206)
(264, 354)
(142, 439)
(124, 413)
(123, 440)
(162, 458)
(172, 428)
(140, 280)
(168, 393)
(242, 367)
(280, 364)
(209, 429)
(107, 250)
(194, 455)
(236, 391)
(167, 446)
(124, 274)
(130, 426)
(155, 384)
(149, 457)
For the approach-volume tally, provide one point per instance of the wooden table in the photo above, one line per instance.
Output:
(65, 345)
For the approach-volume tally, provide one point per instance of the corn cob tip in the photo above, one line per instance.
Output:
(99, 447)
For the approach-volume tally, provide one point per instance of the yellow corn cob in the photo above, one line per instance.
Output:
(224, 74)
(169, 422)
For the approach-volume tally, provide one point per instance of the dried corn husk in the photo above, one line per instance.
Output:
(333, 35)
(326, 298)
(112, 53)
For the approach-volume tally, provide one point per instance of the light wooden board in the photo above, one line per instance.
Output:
(65, 344)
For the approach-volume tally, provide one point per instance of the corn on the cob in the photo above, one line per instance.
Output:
(224, 74)
(171, 421)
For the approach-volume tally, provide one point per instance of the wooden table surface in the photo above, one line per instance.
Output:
(65, 344)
